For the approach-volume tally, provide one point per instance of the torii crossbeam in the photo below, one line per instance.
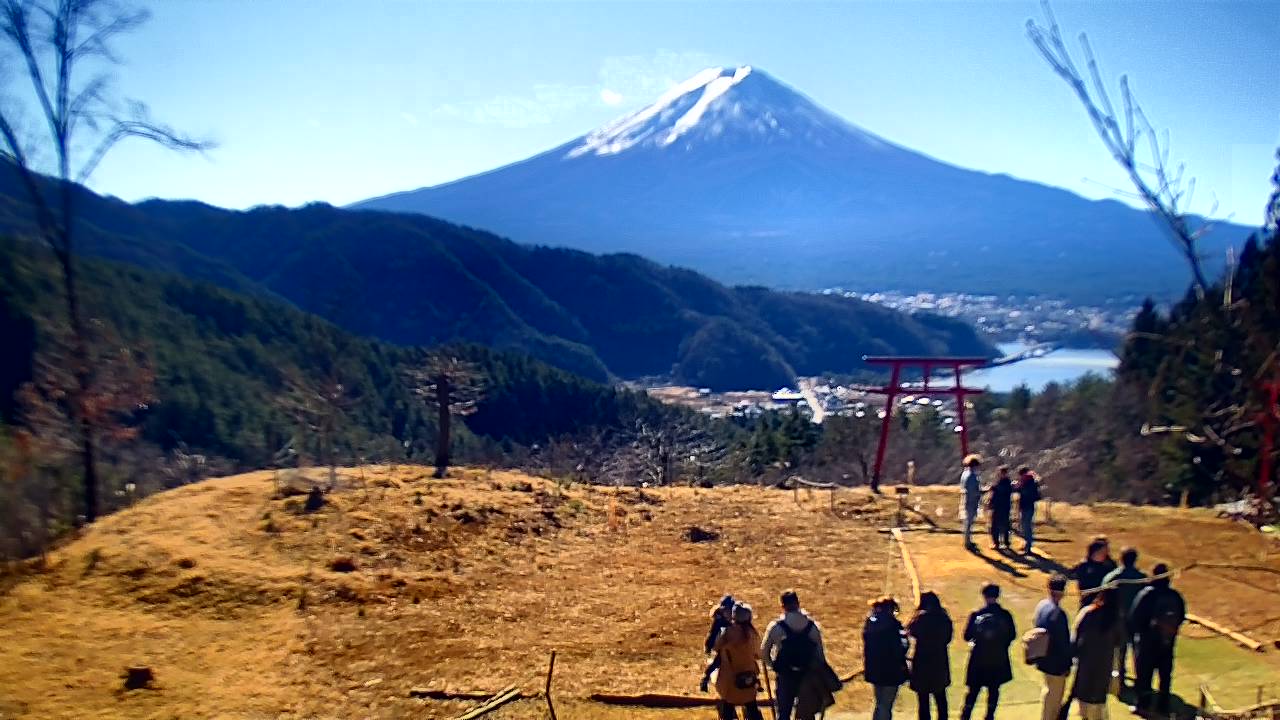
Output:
(896, 388)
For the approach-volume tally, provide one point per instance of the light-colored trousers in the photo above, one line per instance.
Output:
(1055, 686)
(1093, 711)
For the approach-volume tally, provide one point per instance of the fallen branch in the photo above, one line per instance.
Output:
(494, 703)
(429, 694)
(1244, 640)
(658, 700)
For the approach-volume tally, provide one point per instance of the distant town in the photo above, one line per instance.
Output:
(1011, 318)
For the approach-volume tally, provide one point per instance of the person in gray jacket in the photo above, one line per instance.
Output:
(1055, 665)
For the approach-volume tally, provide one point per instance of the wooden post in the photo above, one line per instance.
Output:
(551, 668)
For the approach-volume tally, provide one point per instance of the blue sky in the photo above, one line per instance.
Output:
(340, 100)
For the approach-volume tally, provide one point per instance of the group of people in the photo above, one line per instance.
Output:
(803, 682)
(1000, 503)
(1121, 609)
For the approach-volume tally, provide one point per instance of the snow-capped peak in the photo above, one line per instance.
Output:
(714, 103)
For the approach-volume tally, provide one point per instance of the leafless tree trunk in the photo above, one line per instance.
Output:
(452, 386)
(50, 40)
(1167, 192)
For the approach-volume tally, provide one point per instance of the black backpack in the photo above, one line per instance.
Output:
(990, 635)
(796, 651)
(1167, 616)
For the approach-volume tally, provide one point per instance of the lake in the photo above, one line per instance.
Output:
(1059, 366)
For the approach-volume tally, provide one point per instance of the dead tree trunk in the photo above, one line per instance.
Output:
(443, 418)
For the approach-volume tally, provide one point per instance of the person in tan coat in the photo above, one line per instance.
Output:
(738, 679)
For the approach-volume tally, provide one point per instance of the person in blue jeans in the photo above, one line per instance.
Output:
(971, 485)
(884, 647)
(793, 648)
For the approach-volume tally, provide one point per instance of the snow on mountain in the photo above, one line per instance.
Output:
(738, 175)
(740, 102)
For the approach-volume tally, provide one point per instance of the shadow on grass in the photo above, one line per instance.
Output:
(1178, 708)
(1039, 562)
(996, 562)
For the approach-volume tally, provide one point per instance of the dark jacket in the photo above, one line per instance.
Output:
(1126, 592)
(1089, 576)
(1146, 616)
(1096, 637)
(884, 647)
(989, 658)
(931, 664)
(1002, 496)
(718, 623)
(1053, 619)
(1028, 493)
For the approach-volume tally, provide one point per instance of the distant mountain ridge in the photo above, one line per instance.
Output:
(737, 175)
(415, 280)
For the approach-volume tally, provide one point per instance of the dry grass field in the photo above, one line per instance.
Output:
(246, 606)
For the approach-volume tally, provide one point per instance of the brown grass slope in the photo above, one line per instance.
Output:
(228, 591)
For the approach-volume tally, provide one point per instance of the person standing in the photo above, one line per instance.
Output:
(1097, 632)
(932, 630)
(1157, 615)
(738, 681)
(1055, 663)
(1028, 496)
(884, 647)
(793, 647)
(1001, 508)
(990, 631)
(1096, 566)
(971, 483)
(1127, 580)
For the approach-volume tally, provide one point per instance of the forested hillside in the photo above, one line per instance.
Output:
(224, 364)
(414, 280)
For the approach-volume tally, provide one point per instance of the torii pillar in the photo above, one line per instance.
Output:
(896, 388)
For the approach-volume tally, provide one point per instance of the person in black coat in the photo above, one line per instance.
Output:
(1001, 509)
(884, 646)
(1090, 574)
(931, 664)
(990, 631)
(1156, 617)
(721, 618)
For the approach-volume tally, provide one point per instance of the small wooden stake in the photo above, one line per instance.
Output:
(551, 668)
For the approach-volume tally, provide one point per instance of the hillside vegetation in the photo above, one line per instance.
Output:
(223, 364)
(245, 605)
(415, 280)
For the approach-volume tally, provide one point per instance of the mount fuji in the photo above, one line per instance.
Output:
(739, 176)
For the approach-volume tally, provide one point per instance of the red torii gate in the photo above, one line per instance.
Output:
(895, 388)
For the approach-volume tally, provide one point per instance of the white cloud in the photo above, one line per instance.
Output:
(409, 118)
(638, 78)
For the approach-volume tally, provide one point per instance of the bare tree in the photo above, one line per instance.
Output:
(1167, 191)
(53, 41)
(655, 452)
(452, 386)
(318, 406)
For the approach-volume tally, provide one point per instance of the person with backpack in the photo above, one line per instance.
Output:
(1127, 580)
(1028, 495)
(738, 652)
(971, 484)
(1048, 646)
(1001, 505)
(990, 631)
(793, 648)
(1097, 632)
(932, 631)
(1096, 566)
(1157, 614)
(721, 618)
(884, 647)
